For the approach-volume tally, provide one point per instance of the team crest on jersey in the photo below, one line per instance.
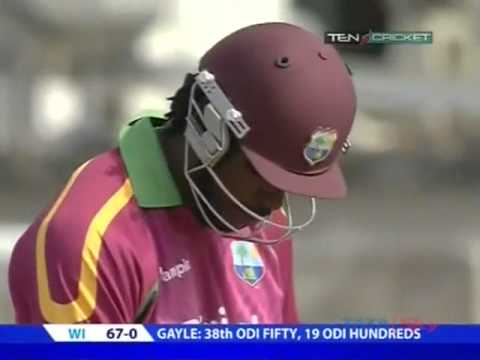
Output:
(320, 145)
(247, 263)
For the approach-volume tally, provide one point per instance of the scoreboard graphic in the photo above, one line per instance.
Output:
(319, 341)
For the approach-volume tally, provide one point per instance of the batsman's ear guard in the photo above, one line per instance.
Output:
(209, 125)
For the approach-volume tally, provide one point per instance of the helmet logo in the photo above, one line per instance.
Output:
(320, 146)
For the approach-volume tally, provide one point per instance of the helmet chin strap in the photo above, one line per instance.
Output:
(253, 233)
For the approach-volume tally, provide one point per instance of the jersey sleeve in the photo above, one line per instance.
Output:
(78, 263)
(94, 282)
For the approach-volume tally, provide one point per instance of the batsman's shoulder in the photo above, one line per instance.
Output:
(93, 196)
(72, 251)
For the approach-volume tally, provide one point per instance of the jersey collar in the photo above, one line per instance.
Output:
(146, 164)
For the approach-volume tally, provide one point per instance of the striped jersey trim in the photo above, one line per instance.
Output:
(84, 305)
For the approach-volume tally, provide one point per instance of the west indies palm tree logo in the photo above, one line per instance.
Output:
(247, 263)
(320, 145)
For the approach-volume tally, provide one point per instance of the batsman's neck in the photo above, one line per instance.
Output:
(173, 145)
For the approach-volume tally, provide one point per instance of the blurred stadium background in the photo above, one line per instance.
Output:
(404, 245)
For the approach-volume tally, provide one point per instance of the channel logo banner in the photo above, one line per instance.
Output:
(375, 38)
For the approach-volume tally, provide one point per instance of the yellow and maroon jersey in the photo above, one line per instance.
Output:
(118, 246)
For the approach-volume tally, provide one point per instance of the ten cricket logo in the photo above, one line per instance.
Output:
(247, 263)
(372, 37)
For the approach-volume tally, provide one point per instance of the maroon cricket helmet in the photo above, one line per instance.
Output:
(297, 96)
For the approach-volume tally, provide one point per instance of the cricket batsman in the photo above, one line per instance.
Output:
(188, 220)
